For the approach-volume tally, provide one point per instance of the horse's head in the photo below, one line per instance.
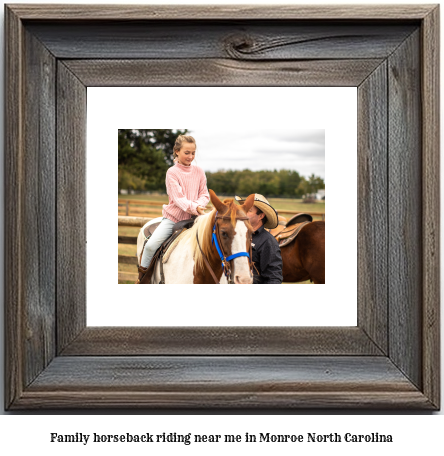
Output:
(233, 232)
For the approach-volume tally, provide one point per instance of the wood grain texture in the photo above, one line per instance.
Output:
(130, 341)
(30, 195)
(246, 401)
(13, 207)
(209, 373)
(372, 207)
(38, 222)
(223, 12)
(218, 72)
(71, 206)
(208, 381)
(405, 209)
(430, 94)
(236, 40)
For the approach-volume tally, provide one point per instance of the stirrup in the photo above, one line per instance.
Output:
(142, 272)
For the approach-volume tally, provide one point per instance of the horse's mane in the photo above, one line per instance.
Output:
(203, 225)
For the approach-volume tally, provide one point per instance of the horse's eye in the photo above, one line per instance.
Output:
(224, 234)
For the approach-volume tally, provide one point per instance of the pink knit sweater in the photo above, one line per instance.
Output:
(187, 188)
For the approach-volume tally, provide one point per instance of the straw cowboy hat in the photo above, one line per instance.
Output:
(261, 203)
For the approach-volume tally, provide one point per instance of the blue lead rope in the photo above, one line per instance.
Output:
(239, 254)
(219, 251)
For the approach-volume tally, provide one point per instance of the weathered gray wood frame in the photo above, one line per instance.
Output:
(390, 360)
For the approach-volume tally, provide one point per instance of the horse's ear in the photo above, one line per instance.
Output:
(217, 203)
(248, 203)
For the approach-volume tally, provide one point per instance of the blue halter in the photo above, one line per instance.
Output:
(219, 250)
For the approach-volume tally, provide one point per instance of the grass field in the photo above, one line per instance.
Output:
(278, 203)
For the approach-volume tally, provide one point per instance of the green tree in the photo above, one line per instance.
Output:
(282, 183)
(315, 183)
(267, 183)
(248, 183)
(162, 140)
(310, 185)
(145, 155)
(289, 181)
(128, 181)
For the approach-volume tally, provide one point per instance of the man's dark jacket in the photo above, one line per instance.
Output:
(267, 258)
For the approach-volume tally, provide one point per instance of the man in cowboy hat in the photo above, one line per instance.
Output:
(266, 252)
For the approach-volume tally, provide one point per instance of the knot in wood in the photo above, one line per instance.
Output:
(239, 45)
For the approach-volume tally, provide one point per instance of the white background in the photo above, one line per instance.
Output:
(332, 109)
(413, 434)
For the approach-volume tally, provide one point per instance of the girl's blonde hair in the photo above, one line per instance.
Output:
(179, 142)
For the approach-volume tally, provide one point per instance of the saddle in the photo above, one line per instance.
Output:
(299, 218)
(149, 229)
(178, 229)
(286, 234)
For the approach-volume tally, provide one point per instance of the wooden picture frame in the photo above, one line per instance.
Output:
(390, 360)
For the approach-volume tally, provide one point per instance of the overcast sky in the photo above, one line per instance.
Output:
(257, 149)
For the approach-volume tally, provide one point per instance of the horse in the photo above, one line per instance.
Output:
(304, 258)
(196, 249)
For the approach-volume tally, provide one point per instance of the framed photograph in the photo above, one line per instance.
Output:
(272, 128)
(389, 359)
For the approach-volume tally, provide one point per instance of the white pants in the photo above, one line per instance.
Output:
(163, 231)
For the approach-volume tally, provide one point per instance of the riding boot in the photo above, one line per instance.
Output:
(142, 272)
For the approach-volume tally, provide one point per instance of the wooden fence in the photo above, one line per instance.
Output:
(153, 209)
(130, 259)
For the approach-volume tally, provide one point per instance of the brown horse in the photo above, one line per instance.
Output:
(186, 263)
(304, 258)
(233, 233)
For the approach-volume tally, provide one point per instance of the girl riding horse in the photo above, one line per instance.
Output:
(188, 195)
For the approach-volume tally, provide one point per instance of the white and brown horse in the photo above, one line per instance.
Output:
(186, 264)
